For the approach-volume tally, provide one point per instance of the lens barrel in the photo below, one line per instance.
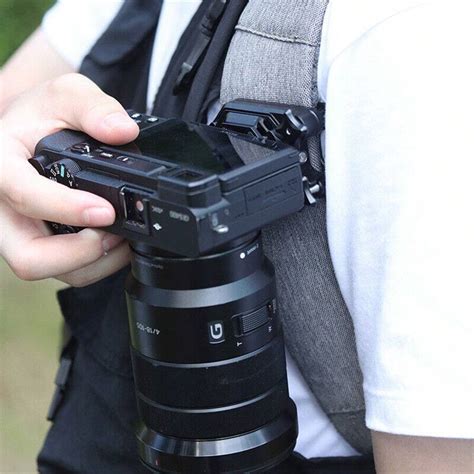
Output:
(209, 362)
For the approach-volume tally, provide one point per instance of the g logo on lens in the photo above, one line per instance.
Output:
(216, 332)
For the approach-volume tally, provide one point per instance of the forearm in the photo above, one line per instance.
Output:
(396, 454)
(35, 61)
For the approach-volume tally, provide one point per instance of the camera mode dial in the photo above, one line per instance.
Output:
(63, 172)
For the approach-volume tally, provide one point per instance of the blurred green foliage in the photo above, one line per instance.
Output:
(18, 18)
(29, 347)
(29, 315)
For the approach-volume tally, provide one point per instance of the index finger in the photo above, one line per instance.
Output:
(38, 197)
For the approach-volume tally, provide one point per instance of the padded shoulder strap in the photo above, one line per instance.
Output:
(273, 57)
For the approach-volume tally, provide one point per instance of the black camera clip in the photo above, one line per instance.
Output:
(292, 125)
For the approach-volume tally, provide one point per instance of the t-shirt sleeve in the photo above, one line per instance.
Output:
(400, 162)
(73, 26)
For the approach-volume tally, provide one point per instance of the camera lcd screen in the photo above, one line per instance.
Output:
(198, 146)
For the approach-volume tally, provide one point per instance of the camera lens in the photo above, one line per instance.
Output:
(209, 362)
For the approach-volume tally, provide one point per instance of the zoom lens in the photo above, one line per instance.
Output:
(209, 362)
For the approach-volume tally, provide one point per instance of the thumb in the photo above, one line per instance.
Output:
(94, 112)
(75, 102)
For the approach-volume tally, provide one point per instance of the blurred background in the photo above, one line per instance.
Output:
(29, 315)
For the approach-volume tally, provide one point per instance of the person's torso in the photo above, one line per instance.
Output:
(343, 32)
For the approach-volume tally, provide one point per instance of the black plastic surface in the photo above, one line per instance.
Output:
(200, 186)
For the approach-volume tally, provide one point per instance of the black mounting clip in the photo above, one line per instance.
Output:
(293, 125)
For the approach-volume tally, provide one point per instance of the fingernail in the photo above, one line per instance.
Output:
(98, 216)
(117, 119)
(110, 242)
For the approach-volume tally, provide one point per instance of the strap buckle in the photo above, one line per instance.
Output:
(62, 376)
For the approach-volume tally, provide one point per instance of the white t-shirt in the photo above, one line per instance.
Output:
(397, 78)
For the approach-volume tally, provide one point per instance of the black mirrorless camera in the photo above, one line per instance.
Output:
(206, 340)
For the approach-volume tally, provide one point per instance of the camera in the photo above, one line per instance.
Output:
(206, 340)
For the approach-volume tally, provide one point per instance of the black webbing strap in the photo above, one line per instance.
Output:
(207, 29)
(214, 57)
(167, 104)
(188, 101)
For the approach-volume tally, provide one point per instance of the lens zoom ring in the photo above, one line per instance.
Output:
(228, 382)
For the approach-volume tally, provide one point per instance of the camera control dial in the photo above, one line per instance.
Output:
(63, 172)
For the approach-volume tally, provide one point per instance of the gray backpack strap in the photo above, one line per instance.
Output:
(273, 57)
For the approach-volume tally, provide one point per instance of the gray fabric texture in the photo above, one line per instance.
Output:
(273, 57)
(249, 152)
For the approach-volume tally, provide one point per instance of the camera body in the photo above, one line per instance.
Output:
(187, 189)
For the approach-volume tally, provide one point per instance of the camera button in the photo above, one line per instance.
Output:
(82, 148)
(125, 159)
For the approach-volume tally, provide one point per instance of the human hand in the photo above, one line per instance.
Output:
(27, 199)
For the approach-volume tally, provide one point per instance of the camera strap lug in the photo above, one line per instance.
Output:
(312, 192)
(62, 376)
